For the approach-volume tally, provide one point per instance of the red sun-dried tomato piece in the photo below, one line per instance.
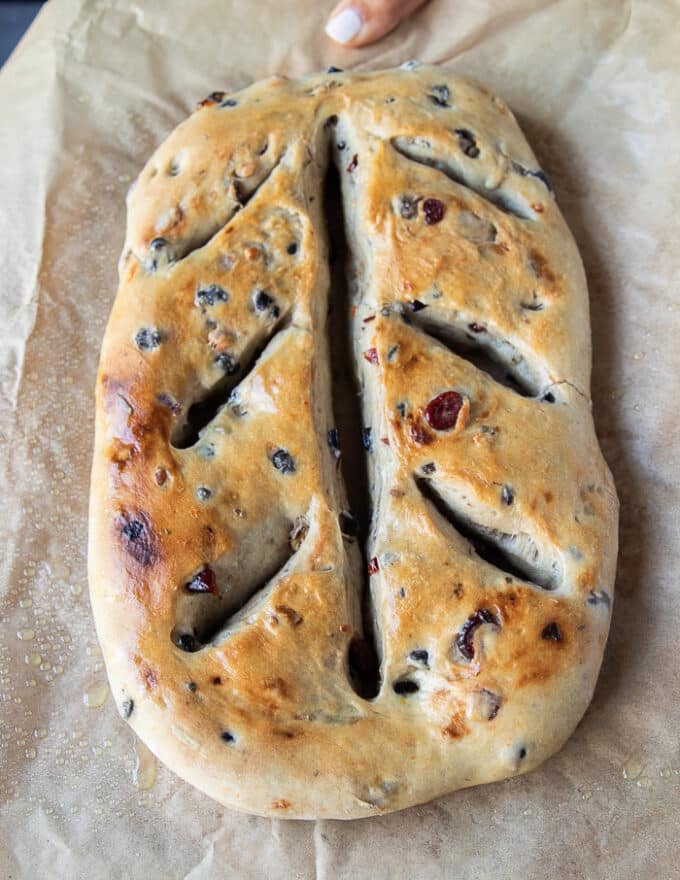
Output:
(371, 355)
(442, 411)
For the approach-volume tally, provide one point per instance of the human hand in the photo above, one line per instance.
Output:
(360, 22)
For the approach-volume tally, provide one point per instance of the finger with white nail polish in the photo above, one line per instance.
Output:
(345, 26)
(360, 22)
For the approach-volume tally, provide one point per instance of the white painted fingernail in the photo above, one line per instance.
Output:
(344, 26)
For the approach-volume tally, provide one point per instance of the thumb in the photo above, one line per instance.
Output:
(360, 22)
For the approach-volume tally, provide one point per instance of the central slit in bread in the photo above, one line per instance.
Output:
(518, 555)
(363, 666)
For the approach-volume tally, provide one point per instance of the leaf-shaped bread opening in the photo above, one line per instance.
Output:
(424, 153)
(203, 409)
(517, 554)
(183, 239)
(215, 597)
(498, 358)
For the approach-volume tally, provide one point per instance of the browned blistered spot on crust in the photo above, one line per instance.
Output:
(418, 432)
(548, 496)
(122, 452)
(281, 804)
(516, 603)
(137, 431)
(292, 615)
(539, 659)
(208, 535)
(455, 728)
(196, 203)
(277, 687)
(500, 248)
(137, 537)
(219, 339)
(534, 658)
(535, 673)
(587, 579)
(149, 677)
(112, 387)
(408, 359)
(130, 425)
(540, 267)
(285, 733)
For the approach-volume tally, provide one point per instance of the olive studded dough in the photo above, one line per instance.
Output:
(226, 567)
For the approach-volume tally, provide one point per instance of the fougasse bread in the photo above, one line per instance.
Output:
(268, 648)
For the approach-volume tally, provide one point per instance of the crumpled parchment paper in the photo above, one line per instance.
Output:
(92, 89)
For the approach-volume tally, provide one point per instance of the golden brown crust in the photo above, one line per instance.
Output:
(224, 582)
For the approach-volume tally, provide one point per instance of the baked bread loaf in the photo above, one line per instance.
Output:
(284, 654)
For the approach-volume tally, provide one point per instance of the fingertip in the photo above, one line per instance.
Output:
(359, 23)
(345, 26)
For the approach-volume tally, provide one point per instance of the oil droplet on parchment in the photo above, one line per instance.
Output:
(633, 767)
(26, 635)
(144, 772)
(95, 696)
(58, 569)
